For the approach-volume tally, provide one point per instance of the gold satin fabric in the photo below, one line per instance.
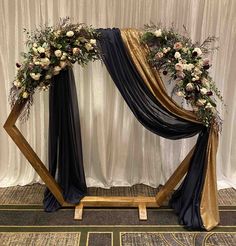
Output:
(209, 203)
(209, 206)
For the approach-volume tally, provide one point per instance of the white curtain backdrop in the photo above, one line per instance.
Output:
(117, 149)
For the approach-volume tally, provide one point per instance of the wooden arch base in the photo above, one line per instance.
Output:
(89, 201)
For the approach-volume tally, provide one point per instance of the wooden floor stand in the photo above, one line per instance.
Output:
(140, 202)
(89, 201)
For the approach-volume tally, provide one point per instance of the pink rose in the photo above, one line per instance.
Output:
(180, 74)
(178, 46)
(179, 66)
(206, 62)
(159, 55)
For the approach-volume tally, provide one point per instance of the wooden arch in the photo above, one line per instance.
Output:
(141, 202)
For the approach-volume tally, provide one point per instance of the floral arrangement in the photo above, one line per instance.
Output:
(51, 50)
(186, 65)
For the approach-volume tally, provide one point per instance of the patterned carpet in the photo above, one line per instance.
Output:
(23, 222)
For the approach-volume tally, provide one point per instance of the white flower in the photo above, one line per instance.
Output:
(205, 83)
(70, 34)
(158, 33)
(57, 69)
(58, 53)
(93, 41)
(41, 49)
(185, 49)
(76, 51)
(48, 76)
(179, 66)
(17, 83)
(63, 58)
(63, 64)
(168, 48)
(37, 63)
(35, 50)
(188, 67)
(88, 46)
(201, 102)
(197, 71)
(25, 94)
(198, 50)
(45, 62)
(208, 105)
(203, 91)
(189, 87)
(180, 94)
(35, 76)
(35, 45)
(165, 50)
(177, 55)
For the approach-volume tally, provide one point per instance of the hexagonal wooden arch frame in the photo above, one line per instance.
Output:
(88, 201)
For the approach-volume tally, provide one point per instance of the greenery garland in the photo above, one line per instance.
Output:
(183, 61)
(51, 49)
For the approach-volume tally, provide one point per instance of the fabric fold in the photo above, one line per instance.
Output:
(158, 117)
(209, 209)
(65, 146)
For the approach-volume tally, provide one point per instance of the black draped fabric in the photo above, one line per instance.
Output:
(156, 118)
(65, 147)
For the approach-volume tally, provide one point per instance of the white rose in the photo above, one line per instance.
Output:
(56, 70)
(179, 66)
(45, 61)
(58, 53)
(180, 94)
(63, 58)
(70, 34)
(177, 55)
(189, 87)
(48, 76)
(158, 33)
(198, 50)
(25, 94)
(88, 46)
(35, 76)
(63, 64)
(203, 91)
(208, 105)
(17, 83)
(93, 41)
(41, 49)
(201, 102)
(35, 50)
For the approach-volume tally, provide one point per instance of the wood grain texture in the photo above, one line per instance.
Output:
(29, 153)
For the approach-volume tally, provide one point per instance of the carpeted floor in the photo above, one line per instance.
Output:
(23, 222)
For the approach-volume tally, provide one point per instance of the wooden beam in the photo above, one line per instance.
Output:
(79, 212)
(142, 211)
(174, 179)
(118, 201)
(29, 153)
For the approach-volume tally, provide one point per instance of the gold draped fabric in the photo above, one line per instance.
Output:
(208, 205)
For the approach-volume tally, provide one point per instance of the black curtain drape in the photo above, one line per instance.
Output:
(65, 147)
(156, 118)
